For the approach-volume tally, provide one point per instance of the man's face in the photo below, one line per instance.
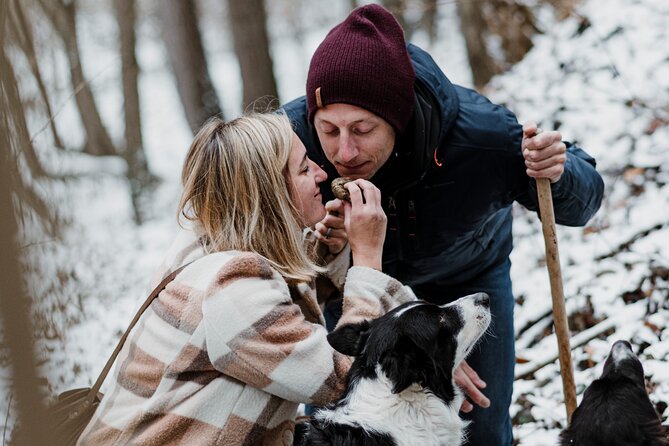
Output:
(356, 141)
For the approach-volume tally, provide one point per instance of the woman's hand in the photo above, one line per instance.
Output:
(330, 231)
(365, 223)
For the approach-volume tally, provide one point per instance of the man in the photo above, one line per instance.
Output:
(449, 164)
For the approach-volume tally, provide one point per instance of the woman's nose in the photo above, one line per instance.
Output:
(320, 174)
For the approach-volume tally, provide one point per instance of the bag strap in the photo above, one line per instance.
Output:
(105, 371)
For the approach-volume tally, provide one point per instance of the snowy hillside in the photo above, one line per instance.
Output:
(600, 77)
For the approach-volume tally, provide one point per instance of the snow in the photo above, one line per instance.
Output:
(605, 86)
(603, 89)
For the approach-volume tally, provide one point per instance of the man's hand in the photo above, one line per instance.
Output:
(470, 383)
(544, 153)
(330, 231)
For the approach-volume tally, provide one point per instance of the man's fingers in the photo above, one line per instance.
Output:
(471, 373)
(474, 394)
(542, 140)
(547, 163)
(466, 406)
(529, 129)
(464, 380)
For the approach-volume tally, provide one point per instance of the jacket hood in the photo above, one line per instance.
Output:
(419, 147)
(434, 82)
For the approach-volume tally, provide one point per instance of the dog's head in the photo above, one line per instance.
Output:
(616, 409)
(417, 342)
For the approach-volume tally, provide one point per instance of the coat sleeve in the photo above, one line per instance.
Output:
(578, 193)
(255, 333)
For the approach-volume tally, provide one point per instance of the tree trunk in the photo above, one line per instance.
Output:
(15, 119)
(563, 8)
(63, 18)
(24, 36)
(14, 304)
(429, 19)
(189, 64)
(12, 101)
(248, 21)
(138, 170)
(514, 24)
(474, 28)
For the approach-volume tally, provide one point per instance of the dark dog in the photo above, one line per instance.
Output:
(400, 388)
(616, 410)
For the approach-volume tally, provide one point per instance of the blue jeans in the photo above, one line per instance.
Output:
(493, 358)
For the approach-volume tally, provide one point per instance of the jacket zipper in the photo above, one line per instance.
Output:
(393, 224)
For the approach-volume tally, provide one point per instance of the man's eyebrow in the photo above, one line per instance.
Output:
(325, 121)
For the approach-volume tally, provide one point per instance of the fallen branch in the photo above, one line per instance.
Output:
(625, 246)
(582, 338)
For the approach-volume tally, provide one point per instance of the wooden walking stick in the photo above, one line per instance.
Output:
(557, 293)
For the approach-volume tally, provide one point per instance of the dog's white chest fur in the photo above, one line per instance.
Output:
(414, 416)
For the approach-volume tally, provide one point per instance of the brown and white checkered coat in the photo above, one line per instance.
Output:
(227, 351)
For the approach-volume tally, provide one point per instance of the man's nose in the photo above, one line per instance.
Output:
(347, 149)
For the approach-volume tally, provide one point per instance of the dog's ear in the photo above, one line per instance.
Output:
(350, 339)
(405, 364)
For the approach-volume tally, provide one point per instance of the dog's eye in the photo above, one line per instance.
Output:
(442, 318)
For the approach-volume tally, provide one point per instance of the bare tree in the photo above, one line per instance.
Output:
(248, 21)
(24, 37)
(14, 304)
(189, 64)
(18, 146)
(514, 23)
(62, 16)
(138, 170)
(429, 19)
(474, 29)
(563, 8)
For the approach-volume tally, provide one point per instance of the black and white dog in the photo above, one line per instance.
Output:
(400, 388)
(616, 410)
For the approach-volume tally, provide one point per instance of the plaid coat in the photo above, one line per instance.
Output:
(228, 350)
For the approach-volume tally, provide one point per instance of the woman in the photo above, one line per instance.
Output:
(230, 348)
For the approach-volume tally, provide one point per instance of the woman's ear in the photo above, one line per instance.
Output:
(350, 339)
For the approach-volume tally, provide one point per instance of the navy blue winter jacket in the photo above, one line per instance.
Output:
(452, 178)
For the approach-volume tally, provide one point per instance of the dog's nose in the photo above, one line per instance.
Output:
(625, 343)
(482, 299)
(621, 345)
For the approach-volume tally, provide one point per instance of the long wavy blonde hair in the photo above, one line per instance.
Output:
(236, 188)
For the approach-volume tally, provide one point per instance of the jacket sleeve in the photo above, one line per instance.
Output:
(256, 334)
(578, 193)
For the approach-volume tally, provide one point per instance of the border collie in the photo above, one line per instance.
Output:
(616, 410)
(400, 388)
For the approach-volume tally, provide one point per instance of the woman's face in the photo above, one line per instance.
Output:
(305, 176)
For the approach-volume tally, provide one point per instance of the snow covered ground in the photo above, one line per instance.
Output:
(601, 77)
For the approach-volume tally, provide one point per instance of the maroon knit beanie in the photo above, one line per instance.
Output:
(363, 61)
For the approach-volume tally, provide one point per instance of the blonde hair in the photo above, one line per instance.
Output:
(236, 187)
